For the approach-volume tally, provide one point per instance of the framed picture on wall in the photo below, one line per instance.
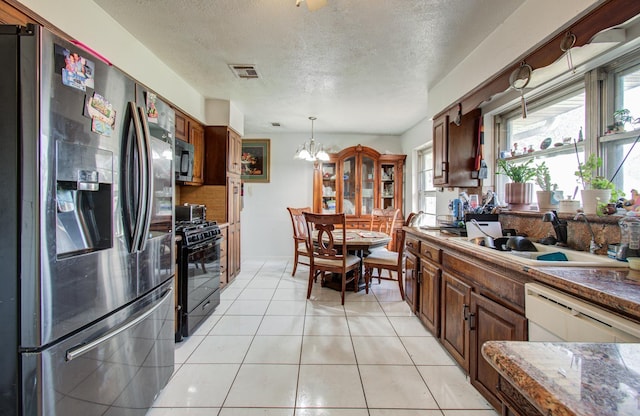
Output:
(256, 155)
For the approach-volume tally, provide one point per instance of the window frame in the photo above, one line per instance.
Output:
(423, 189)
(539, 100)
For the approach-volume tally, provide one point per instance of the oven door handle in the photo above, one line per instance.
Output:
(202, 246)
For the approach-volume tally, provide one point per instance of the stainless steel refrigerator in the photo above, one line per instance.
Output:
(87, 254)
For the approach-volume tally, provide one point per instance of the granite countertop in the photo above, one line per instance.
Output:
(564, 378)
(615, 288)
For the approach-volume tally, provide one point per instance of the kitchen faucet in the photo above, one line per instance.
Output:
(559, 226)
(593, 246)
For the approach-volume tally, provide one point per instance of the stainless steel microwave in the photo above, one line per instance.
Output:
(183, 161)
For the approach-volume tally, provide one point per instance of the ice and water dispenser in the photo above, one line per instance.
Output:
(84, 200)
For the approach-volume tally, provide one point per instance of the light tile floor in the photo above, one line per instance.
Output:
(268, 351)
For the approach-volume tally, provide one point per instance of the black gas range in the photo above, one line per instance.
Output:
(198, 274)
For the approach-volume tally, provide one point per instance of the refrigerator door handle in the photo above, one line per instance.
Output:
(129, 193)
(75, 352)
(148, 178)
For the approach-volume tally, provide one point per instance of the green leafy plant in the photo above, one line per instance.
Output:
(517, 172)
(543, 178)
(620, 118)
(587, 175)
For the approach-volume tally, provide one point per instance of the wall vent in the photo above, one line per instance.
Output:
(244, 71)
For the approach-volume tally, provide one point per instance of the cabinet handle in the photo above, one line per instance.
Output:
(419, 279)
(465, 314)
(472, 321)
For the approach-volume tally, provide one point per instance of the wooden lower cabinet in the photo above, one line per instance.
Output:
(411, 280)
(428, 309)
(465, 301)
(513, 402)
(233, 254)
(490, 321)
(224, 276)
(455, 302)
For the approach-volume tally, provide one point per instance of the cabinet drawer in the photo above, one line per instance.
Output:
(430, 252)
(412, 244)
(494, 285)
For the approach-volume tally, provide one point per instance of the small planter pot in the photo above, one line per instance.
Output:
(591, 198)
(548, 200)
(570, 206)
(518, 195)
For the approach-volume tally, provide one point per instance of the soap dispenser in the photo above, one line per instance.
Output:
(629, 236)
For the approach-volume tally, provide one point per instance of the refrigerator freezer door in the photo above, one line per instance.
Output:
(157, 256)
(67, 285)
(115, 367)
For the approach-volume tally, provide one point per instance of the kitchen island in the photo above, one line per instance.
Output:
(567, 379)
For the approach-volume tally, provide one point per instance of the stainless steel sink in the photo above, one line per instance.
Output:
(530, 258)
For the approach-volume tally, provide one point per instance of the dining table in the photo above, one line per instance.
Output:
(358, 242)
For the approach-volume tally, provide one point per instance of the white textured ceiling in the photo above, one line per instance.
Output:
(359, 66)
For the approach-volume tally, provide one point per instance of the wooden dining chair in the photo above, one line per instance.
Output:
(384, 220)
(328, 257)
(386, 260)
(300, 253)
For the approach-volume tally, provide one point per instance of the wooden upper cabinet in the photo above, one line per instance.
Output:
(235, 152)
(181, 126)
(196, 138)
(223, 150)
(440, 142)
(190, 131)
(9, 15)
(454, 150)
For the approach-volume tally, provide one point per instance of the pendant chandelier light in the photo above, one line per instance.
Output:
(311, 151)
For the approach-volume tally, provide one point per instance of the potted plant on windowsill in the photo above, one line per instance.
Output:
(519, 192)
(598, 191)
(548, 197)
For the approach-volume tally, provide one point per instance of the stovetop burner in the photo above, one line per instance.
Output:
(196, 233)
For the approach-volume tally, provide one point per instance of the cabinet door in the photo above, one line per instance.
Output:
(233, 253)
(462, 147)
(233, 199)
(234, 152)
(411, 280)
(224, 258)
(349, 186)
(328, 171)
(196, 138)
(454, 312)
(367, 188)
(429, 299)
(440, 149)
(388, 186)
(236, 249)
(489, 321)
(181, 126)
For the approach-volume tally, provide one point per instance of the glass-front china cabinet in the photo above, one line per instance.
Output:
(357, 180)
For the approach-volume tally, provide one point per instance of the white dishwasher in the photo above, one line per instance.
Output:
(557, 316)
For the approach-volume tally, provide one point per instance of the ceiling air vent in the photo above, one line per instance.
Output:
(275, 124)
(244, 71)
